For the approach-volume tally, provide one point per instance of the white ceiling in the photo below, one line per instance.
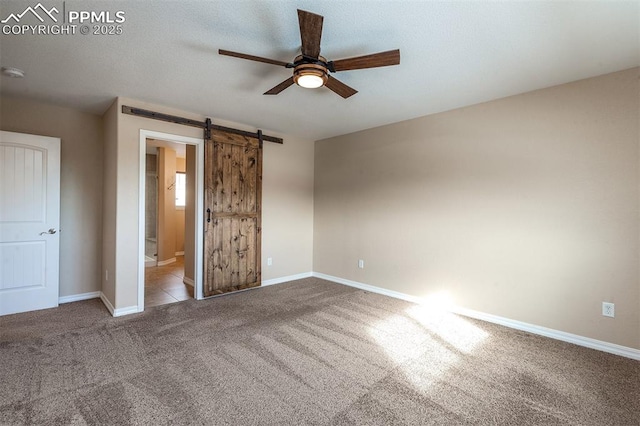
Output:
(453, 54)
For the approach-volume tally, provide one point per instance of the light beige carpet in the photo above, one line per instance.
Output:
(305, 352)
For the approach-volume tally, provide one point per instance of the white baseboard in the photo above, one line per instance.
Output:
(108, 304)
(118, 312)
(367, 287)
(166, 262)
(126, 311)
(188, 281)
(78, 297)
(286, 279)
(179, 253)
(587, 342)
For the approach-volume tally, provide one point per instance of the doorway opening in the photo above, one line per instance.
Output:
(166, 280)
(170, 250)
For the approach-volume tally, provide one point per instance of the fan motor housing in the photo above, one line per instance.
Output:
(306, 66)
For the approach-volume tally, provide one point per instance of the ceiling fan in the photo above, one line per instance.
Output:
(310, 70)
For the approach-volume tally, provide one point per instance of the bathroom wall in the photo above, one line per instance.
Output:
(151, 206)
(180, 212)
(166, 205)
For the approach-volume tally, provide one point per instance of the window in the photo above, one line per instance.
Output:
(181, 189)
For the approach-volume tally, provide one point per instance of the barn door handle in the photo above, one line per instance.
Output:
(50, 231)
(208, 215)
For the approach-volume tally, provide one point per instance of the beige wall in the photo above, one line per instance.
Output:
(166, 205)
(179, 230)
(287, 199)
(109, 199)
(181, 164)
(287, 208)
(80, 184)
(525, 207)
(126, 176)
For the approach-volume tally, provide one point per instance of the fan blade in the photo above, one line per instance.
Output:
(280, 87)
(382, 59)
(251, 57)
(340, 88)
(310, 33)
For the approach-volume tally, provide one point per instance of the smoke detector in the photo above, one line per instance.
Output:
(12, 72)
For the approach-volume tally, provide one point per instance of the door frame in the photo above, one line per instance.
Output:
(199, 203)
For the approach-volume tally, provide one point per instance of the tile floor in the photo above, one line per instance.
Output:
(163, 284)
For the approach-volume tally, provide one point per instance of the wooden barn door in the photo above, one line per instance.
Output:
(233, 195)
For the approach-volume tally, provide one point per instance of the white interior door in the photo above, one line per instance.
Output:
(29, 222)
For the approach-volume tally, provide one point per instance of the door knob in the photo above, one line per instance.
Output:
(50, 231)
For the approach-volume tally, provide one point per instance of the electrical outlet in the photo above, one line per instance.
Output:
(608, 309)
(360, 263)
(269, 261)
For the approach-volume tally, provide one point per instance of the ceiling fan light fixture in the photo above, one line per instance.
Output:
(309, 81)
(310, 76)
